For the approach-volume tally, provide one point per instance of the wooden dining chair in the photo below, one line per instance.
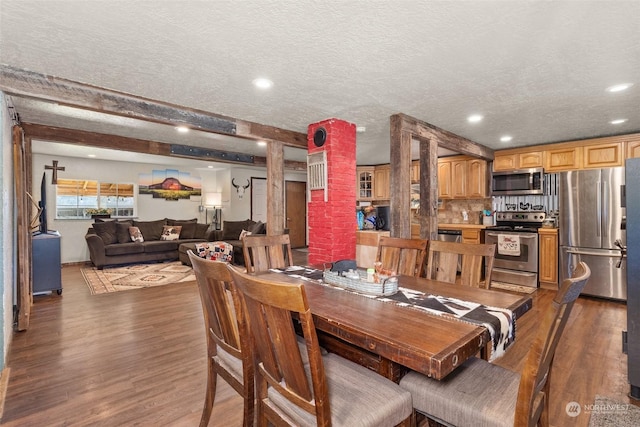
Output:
(228, 355)
(479, 393)
(262, 252)
(404, 256)
(443, 258)
(329, 390)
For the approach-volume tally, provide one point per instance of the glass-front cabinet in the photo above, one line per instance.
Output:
(364, 183)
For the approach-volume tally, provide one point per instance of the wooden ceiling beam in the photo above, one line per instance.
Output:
(445, 138)
(123, 143)
(20, 82)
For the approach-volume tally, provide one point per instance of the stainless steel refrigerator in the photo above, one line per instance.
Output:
(592, 215)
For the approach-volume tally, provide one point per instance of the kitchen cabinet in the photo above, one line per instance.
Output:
(633, 149)
(364, 183)
(462, 178)
(514, 161)
(381, 179)
(562, 159)
(458, 179)
(602, 155)
(444, 180)
(476, 179)
(472, 235)
(594, 153)
(548, 258)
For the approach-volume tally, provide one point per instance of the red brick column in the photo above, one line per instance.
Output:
(332, 224)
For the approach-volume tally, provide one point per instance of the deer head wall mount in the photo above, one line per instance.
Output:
(240, 189)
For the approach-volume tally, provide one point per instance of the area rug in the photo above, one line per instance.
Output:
(136, 276)
(609, 412)
(513, 288)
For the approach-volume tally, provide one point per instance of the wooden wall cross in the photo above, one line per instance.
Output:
(55, 168)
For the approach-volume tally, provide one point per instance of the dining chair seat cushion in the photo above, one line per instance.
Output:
(477, 393)
(357, 397)
(231, 363)
(234, 365)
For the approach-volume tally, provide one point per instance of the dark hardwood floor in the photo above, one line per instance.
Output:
(139, 358)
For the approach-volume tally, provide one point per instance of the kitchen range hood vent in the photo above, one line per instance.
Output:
(317, 173)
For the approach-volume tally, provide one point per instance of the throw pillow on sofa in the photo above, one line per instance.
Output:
(136, 235)
(106, 231)
(231, 229)
(151, 230)
(258, 228)
(188, 228)
(171, 232)
(122, 231)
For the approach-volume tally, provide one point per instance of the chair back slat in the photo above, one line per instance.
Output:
(280, 363)
(443, 258)
(403, 256)
(262, 252)
(533, 392)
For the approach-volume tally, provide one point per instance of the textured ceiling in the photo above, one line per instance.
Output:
(535, 70)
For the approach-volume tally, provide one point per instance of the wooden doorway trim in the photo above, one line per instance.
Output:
(22, 170)
(296, 212)
(404, 129)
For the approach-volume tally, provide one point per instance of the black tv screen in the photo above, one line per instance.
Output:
(43, 205)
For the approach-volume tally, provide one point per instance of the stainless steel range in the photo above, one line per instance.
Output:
(516, 238)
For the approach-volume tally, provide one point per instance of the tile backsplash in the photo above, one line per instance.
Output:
(451, 210)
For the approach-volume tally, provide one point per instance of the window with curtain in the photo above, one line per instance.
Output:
(79, 199)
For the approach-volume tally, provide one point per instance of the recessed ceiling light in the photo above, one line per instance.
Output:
(210, 167)
(91, 155)
(617, 121)
(620, 87)
(474, 118)
(262, 143)
(505, 138)
(182, 129)
(263, 83)
(361, 129)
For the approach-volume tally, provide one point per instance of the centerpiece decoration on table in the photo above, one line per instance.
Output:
(99, 212)
(375, 281)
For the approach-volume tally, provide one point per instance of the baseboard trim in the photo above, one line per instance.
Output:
(4, 383)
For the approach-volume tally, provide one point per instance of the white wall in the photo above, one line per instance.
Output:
(72, 231)
(240, 209)
(7, 234)
(73, 245)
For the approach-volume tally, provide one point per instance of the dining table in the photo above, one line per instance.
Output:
(391, 338)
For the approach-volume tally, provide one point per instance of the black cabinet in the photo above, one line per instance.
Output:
(46, 263)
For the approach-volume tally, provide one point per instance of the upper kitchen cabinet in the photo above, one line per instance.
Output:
(459, 178)
(633, 149)
(509, 160)
(593, 153)
(364, 183)
(462, 177)
(603, 155)
(562, 159)
(381, 179)
(444, 180)
(578, 156)
(477, 184)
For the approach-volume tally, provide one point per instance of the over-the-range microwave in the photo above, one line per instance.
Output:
(518, 182)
